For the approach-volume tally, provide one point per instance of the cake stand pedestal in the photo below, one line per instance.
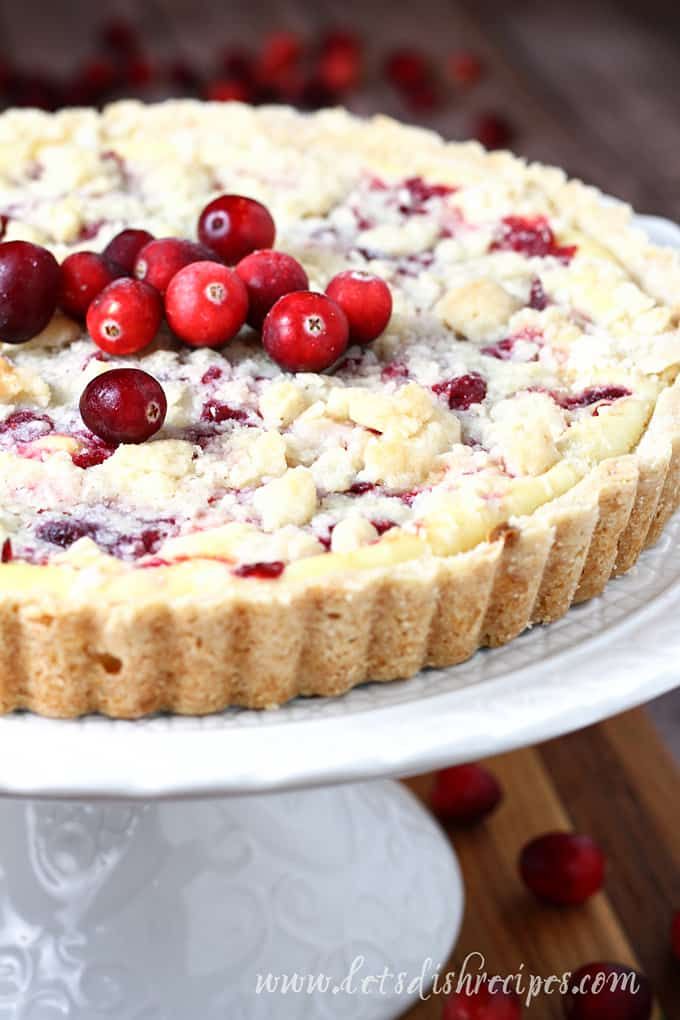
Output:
(118, 901)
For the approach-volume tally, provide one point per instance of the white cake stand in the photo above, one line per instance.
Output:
(129, 891)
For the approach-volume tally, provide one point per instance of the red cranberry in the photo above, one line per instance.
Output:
(492, 131)
(608, 991)
(562, 868)
(206, 304)
(7, 555)
(29, 286)
(84, 274)
(365, 299)
(65, 532)
(160, 259)
(407, 69)
(124, 405)
(263, 571)
(340, 59)
(463, 391)
(675, 934)
(591, 395)
(233, 226)
(267, 276)
(305, 332)
(531, 236)
(125, 317)
(465, 68)
(465, 794)
(124, 248)
(92, 452)
(280, 51)
(215, 410)
(537, 296)
(483, 1003)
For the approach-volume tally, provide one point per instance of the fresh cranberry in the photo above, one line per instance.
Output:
(483, 1003)
(463, 391)
(160, 259)
(608, 991)
(267, 276)
(125, 317)
(562, 868)
(365, 299)
(305, 332)
(493, 131)
(206, 304)
(84, 274)
(125, 405)
(675, 934)
(465, 794)
(407, 69)
(233, 226)
(124, 248)
(7, 555)
(465, 68)
(29, 287)
(531, 236)
(591, 395)
(65, 532)
(228, 90)
(215, 410)
(263, 571)
(537, 296)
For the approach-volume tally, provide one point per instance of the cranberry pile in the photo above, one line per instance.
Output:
(207, 290)
(283, 67)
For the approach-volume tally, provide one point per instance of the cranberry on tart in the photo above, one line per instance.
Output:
(334, 401)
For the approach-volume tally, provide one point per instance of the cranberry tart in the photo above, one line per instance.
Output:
(491, 431)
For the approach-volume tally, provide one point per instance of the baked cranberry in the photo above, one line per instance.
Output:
(394, 370)
(124, 248)
(407, 69)
(537, 296)
(487, 1002)
(531, 236)
(305, 332)
(125, 405)
(591, 395)
(26, 425)
(64, 532)
(92, 452)
(562, 868)
(215, 410)
(7, 555)
(365, 299)
(263, 571)
(465, 68)
(675, 934)
(29, 286)
(608, 991)
(463, 391)
(84, 274)
(492, 130)
(125, 317)
(206, 304)
(233, 226)
(211, 374)
(160, 259)
(267, 276)
(465, 794)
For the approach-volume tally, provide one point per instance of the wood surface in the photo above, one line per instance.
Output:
(616, 782)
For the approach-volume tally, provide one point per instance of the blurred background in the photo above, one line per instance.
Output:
(592, 86)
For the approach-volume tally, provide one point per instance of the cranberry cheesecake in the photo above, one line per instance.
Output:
(292, 402)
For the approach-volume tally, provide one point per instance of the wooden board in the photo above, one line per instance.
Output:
(617, 782)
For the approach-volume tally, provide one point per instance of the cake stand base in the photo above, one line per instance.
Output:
(224, 909)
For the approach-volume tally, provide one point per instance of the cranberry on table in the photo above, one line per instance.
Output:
(29, 286)
(267, 276)
(125, 317)
(488, 1002)
(365, 299)
(233, 226)
(562, 868)
(124, 248)
(305, 332)
(608, 991)
(206, 304)
(125, 405)
(465, 794)
(159, 260)
(84, 274)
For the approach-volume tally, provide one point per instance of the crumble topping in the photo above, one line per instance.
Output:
(521, 351)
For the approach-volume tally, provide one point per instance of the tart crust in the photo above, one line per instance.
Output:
(186, 638)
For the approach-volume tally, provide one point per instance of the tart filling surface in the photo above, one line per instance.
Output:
(533, 340)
